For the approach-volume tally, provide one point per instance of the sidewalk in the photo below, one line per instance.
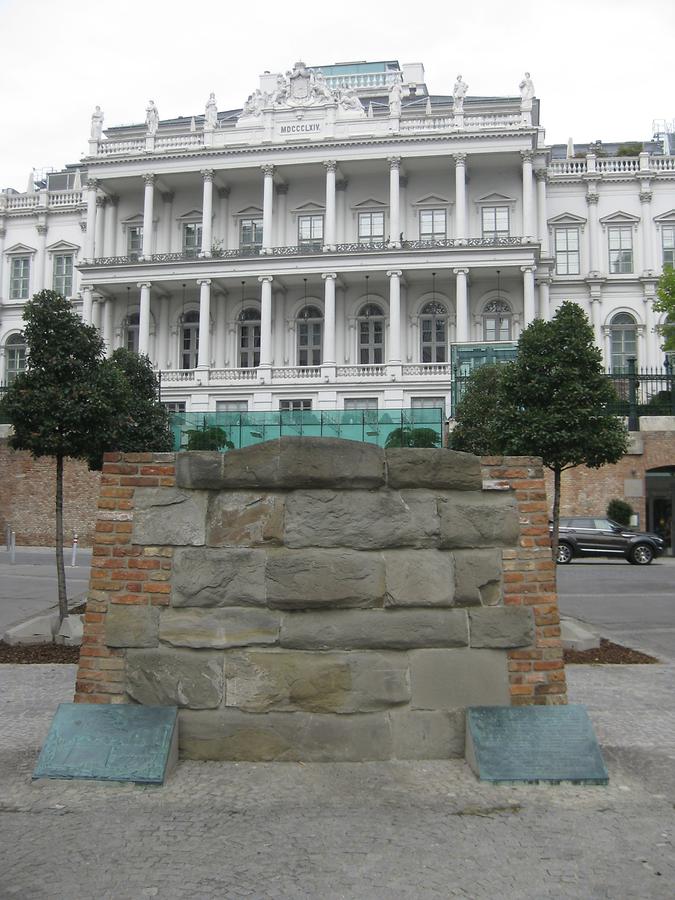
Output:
(366, 831)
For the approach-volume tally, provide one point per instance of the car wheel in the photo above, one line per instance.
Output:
(641, 555)
(564, 554)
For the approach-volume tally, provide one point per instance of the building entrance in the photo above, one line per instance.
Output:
(660, 504)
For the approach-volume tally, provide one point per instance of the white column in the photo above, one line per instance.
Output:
(394, 355)
(329, 319)
(99, 240)
(87, 304)
(167, 221)
(97, 313)
(529, 312)
(329, 239)
(207, 212)
(462, 303)
(394, 202)
(593, 236)
(220, 349)
(265, 320)
(606, 345)
(41, 256)
(110, 225)
(148, 207)
(528, 209)
(341, 188)
(144, 318)
(282, 196)
(163, 342)
(460, 196)
(542, 213)
(646, 229)
(223, 228)
(108, 327)
(204, 352)
(544, 298)
(652, 357)
(92, 187)
(268, 200)
(3, 235)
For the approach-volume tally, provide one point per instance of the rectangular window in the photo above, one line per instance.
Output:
(310, 232)
(231, 406)
(295, 405)
(63, 274)
(19, 278)
(360, 403)
(567, 251)
(175, 407)
(620, 249)
(668, 239)
(428, 403)
(134, 240)
(371, 228)
(250, 234)
(192, 238)
(495, 222)
(433, 225)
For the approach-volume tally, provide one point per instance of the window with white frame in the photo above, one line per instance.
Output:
(371, 335)
(310, 232)
(497, 321)
(371, 227)
(301, 405)
(19, 278)
(668, 245)
(433, 224)
(15, 356)
(231, 406)
(192, 238)
(175, 407)
(190, 340)
(249, 338)
(310, 332)
(131, 332)
(250, 234)
(134, 240)
(352, 403)
(433, 333)
(622, 340)
(63, 274)
(620, 249)
(428, 403)
(494, 222)
(567, 260)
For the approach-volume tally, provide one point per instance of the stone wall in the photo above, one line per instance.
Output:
(316, 599)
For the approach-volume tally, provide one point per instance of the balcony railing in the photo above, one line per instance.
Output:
(308, 374)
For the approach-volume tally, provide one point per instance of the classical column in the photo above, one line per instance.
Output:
(163, 337)
(148, 205)
(220, 349)
(87, 303)
(265, 320)
(3, 235)
(544, 282)
(144, 318)
(329, 319)
(268, 199)
(167, 221)
(460, 196)
(462, 303)
(108, 325)
(542, 214)
(89, 249)
(97, 313)
(99, 240)
(645, 229)
(282, 197)
(224, 197)
(329, 240)
(529, 312)
(394, 355)
(528, 210)
(207, 213)
(110, 228)
(652, 356)
(394, 202)
(403, 204)
(593, 256)
(341, 188)
(204, 352)
(41, 256)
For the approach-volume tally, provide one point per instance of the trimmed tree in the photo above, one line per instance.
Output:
(477, 415)
(413, 437)
(665, 303)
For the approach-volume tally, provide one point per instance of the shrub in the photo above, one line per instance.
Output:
(620, 511)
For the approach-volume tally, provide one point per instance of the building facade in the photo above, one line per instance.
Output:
(339, 241)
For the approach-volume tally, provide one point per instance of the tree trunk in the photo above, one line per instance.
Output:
(60, 568)
(556, 511)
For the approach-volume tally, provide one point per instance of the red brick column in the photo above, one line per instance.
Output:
(121, 572)
(537, 673)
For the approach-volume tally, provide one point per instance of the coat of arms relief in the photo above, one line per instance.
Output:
(303, 88)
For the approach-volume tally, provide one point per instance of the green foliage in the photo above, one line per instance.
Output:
(209, 437)
(477, 415)
(413, 437)
(665, 303)
(632, 148)
(620, 511)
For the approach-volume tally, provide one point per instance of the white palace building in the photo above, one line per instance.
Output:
(345, 241)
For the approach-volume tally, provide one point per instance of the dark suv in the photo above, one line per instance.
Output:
(584, 536)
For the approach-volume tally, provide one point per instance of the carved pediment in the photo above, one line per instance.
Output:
(666, 217)
(567, 219)
(63, 247)
(619, 218)
(190, 216)
(20, 249)
(307, 208)
(370, 203)
(251, 211)
(495, 199)
(432, 200)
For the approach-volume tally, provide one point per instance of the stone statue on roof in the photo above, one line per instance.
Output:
(97, 124)
(459, 93)
(526, 89)
(151, 118)
(349, 101)
(211, 113)
(395, 95)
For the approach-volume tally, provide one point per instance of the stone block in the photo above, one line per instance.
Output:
(425, 734)
(164, 677)
(302, 579)
(244, 518)
(132, 626)
(230, 734)
(199, 470)
(478, 577)
(449, 470)
(335, 682)
(375, 629)
(419, 578)
(36, 630)
(71, 631)
(227, 577)
(455, 679)
(501, 626)
(219, 628)
(169, 516)
(478, 519)
(364, 520)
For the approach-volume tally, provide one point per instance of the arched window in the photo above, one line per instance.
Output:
(190, 340)
(622, 340)
(310, 329)
(434, 333)
(15, 356)
(371, 335)
(249, 338)
(497, 321)
(131, 330)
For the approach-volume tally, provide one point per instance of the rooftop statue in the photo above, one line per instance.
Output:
(211, 113)
(97, 124)
(350, 102)
(395, 94)
(254, 104)
(526, 88)
(151, 118)
(459, 93)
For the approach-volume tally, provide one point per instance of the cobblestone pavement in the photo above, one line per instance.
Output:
(373, 830)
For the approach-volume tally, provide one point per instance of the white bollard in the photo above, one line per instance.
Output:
(73, 559)
(12, 547)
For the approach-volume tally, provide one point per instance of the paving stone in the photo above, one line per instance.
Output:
(223, 577)
(169, 516)
(453, 679)
(219, 628)
(478, 577)
(409, 467)
(302, 579)
(244, 518)
(478, 519)
(260, 680)
(164, 677)
(131, 626)
(428, 735)
(419, 578)
(502, 626)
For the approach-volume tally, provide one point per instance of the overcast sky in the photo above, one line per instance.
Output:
(602, 69)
